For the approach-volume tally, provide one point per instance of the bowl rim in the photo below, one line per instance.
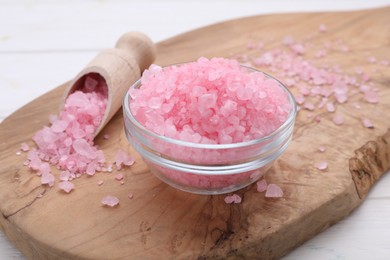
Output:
(290, 120)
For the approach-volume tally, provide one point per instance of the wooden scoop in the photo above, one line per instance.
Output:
(118, 68)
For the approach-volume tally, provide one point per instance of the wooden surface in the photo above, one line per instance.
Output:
(161, 221)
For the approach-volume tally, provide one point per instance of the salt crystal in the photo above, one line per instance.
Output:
(330, 107)
(261, 185)
(367, 123)
(110, 201)
(130, 195)
(338, 119)
(122, 158)
(66, 186)
(47, 178)
(371, 59)
(322, 28)
(233, 199)
(106, 136)
(273, 191)
(371, 97)
(18, 153)
(321, 165)
(100, 182)
(64, 175)
(24, 147)
(298, 49)
(384, 62)
(119, 177)
(322, 148)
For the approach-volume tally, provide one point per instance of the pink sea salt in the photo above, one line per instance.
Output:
(122, 158)
(261, 185)
(68, 142)
(273, 191)
(110, 201)
(130, 195)
(24, 147)
(233, 199)
(321, 165)
(322, 28)
(367, 123)
(209, 101)
(119, 177)
(338, 120)
(322, 148)
(66, 186)
(371, 96)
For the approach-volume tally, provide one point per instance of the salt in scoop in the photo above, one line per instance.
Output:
(112, 71)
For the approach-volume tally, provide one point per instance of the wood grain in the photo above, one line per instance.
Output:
(161, 222)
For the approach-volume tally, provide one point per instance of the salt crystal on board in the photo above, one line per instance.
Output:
(110, 201)
(233, 199)
(122, 158)
(24, 147)
(371, 97)
(338, 120)
(47, 178)
(367, 123)
(261, 185)
(273, 191)
(119, 177)
(322, 28)
(322, 148)
(100, 182)
(66, 186)
(130, 195)
(321, 165)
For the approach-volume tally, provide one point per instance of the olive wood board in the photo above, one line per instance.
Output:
(161, 222)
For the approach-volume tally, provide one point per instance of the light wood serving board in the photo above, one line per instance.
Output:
(163, 223)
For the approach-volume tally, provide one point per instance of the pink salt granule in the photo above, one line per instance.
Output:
(321, 165)
(338, 119)
(322, 148)
(66, 186)
(367, 123)
(122, 158)
(261, 185)
(119, 177)
(322, 28)
(233, 199)
(110, 201)
(18, 153)
(212, 101)
(100, 182)
(371, 96)
(273, 191)
(47, 178)
(130, 195)
(68, 142)
(24, 147)
(106, 136)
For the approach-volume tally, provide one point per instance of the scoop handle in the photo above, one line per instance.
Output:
(120, 67)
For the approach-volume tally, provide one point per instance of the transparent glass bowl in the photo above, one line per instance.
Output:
(208, 168)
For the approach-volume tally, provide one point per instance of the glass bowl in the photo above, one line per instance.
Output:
(208, 168)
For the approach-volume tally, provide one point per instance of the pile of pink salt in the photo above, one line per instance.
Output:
(68, 142)
(214, 101)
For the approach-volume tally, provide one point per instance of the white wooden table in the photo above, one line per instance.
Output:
(45, 43)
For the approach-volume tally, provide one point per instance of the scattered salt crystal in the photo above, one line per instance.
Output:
(106, 136)
(122, 182)
(261, 185)
(371, 97)
(371, 59)
(122, 158)
(338, 119)
(384, 62)
(233, 199)
(130, 195)
(18, 153)
(47, 178)
(64, 175)
(298, 49)
(330, 107)
(367, 123)
(322, 148)
(321, 165)
(273, 191)
(119, 177)
(110, 201)
(24, 147)
(318, 119)
(100, 182)
(66, 186)
(322, 28)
